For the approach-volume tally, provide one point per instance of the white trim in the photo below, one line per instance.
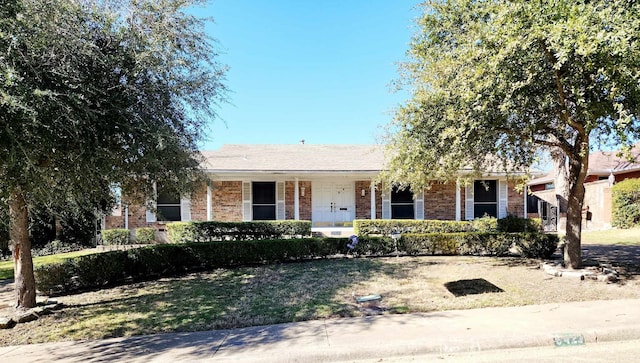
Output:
(386, 203)
(503, 199)
(458, 204)
(246, 201)
(185, 208)
(151, 216)
(526, 206)
(280, 201)
(372, 191)
(418, 206)
(209, 203)
(126, 216)
(469, 201)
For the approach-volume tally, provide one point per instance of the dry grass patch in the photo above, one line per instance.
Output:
(321, 289)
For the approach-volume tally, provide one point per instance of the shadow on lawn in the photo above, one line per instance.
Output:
(625, 257)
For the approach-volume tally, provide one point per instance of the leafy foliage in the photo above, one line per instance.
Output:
(115, 236)
(145, 235)
(626, 203)
(507, 79)
(179, 232)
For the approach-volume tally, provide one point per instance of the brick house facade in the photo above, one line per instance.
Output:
(329, 185)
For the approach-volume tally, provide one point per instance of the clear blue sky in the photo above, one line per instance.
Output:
(314, 70)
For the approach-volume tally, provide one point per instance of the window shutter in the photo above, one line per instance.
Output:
(280, 205)
(419, 206)
(246, 201)
(502, 198)
(185, 209)
(468, 202)
(386, 203)
(151, 216)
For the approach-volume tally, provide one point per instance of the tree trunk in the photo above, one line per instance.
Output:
(25, 283)
(577, 174)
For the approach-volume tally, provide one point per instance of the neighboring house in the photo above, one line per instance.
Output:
(605, 169)
(330, 185)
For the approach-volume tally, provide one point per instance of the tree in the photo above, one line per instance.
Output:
(97, 92)
(512, 78)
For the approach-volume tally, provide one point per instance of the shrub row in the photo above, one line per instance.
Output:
(117, 267)
(385, 227)
(533, 245)
(145, 235)
(181, 232)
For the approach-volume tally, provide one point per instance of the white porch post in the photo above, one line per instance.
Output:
(126, 216)
(372, 192)
(296, 201)
(458, 212)
(209, 204)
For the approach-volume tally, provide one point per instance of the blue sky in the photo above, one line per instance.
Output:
(314, 70)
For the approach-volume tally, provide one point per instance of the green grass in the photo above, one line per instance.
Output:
(612, 236)
(320, 289)
(6, 267)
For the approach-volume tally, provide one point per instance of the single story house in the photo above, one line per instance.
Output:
(605, 169)
(330, 185)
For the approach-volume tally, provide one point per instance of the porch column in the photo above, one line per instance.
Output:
(458, 212)
(296, 200)
(372, 192)
(209, 204)
(126, 216)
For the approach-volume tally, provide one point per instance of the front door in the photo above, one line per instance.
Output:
(333, 204)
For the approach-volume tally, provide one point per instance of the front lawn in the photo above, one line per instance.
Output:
(320, 289)
(629, 237)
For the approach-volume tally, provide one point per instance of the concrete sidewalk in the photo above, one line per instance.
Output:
(360, 338)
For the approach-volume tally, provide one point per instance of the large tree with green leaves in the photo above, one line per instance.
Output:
(511, 78)
(98, 92)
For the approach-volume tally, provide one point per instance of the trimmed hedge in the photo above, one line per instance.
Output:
(181, 232)
(145, 235)
(117, 267)
(116, 236)
(384, 227)
(626, 203)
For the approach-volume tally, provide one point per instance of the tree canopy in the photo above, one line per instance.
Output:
(510, 78)
(97, 92)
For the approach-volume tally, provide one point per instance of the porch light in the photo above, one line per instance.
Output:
(363, 192)
(302, 191)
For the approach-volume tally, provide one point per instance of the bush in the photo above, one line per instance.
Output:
(626, 203)
(116, 236)
(518, 224)
(471, 243)
(145, 235)
(384, 227)
(181, 232)
(537, 245)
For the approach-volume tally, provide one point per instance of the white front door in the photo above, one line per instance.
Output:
(333, 204)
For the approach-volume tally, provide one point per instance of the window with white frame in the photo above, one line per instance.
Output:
(485, 195)
(168, 206)
(264, 201)
(402, 204)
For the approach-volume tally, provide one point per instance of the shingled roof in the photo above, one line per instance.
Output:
(295, 158)
(608, 161)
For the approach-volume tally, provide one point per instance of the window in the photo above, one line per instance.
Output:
(264, 201)
(485, 194)
(402, 204)
(168, 206)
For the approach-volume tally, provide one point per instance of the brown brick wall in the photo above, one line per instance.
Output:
(515, 200)
(440, 201)
(199, 203)
(227, 201)
(363, 204)
(305, 202)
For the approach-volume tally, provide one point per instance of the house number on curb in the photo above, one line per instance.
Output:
(565, 340)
